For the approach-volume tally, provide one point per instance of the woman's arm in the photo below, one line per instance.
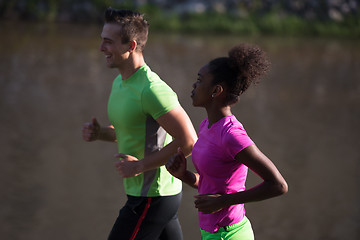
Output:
(177, 167)
(273, 183)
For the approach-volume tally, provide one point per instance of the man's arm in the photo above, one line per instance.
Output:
(178, 124)
(93, 131)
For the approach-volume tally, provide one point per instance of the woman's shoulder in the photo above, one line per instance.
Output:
(231, 123)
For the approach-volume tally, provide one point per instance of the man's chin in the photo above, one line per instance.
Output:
(110, 65)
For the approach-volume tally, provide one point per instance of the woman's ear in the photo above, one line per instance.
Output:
(218, 89)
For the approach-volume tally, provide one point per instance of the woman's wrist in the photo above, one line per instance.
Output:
(190, 178)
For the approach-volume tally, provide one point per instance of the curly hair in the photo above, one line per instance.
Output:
(244, 65)
(133, 25)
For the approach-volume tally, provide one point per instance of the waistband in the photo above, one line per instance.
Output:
(233, 226)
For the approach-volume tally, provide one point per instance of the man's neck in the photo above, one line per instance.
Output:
(135, 61)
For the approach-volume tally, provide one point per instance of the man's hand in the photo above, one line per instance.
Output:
(91, 130)
(128, 166)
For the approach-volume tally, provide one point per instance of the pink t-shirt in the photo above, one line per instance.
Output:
(214, 159)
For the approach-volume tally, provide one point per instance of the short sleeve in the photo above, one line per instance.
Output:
(158, 99)
(235, 140)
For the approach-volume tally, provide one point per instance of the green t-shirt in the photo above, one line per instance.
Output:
(133, 106)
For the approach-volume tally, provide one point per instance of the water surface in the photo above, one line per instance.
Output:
(304, 115)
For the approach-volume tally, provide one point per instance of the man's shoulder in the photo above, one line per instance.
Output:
(151, 76)
(153, 82)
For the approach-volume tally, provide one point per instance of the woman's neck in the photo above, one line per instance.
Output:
(216, 114)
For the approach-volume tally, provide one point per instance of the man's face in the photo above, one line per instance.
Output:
(111, 45)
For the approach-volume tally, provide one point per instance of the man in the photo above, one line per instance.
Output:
(149, 125)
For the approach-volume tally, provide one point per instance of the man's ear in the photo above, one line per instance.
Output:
(132, 46)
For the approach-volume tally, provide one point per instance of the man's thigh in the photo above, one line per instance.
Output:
(147, 218)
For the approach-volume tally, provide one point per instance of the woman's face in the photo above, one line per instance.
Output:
(203, 88)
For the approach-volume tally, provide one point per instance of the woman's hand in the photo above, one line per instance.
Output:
(209, 203)
(177, 165)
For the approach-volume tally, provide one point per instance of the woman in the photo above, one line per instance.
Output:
(224, 152)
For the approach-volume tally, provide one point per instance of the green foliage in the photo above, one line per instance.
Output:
(273, 22)
(267, 24)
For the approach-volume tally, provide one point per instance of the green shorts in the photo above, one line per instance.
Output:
(237, 231)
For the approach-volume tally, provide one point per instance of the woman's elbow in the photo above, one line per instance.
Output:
(282, 187)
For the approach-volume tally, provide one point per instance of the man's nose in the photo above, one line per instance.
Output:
(101, 47)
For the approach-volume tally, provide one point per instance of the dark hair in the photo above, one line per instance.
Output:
(245, 65)
(133, 25)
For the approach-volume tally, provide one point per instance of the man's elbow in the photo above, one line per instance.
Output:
(188, 144)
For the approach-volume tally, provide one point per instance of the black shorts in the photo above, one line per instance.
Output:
(148, 218)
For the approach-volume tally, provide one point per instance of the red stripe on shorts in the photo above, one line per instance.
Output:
(136, 230)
